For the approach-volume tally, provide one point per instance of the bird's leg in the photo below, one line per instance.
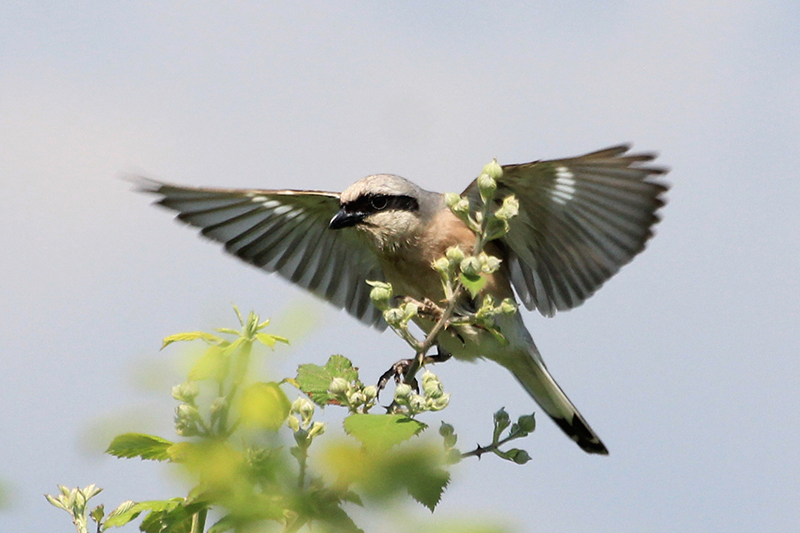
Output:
(426, 309)
(400, 369)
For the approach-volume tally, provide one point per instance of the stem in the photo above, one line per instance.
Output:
(443, 322)
(199, 521)
(302, 460)
(480, 450)
(431, 337)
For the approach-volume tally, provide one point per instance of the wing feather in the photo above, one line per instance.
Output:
(580, 220)
(282, 231)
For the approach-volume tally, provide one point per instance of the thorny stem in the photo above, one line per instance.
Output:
(480, 450)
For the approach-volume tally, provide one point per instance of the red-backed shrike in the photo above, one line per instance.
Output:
(580, 219)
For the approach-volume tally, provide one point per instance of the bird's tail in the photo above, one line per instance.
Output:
(530, 371)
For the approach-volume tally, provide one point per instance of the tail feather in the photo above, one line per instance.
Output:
(534, 377)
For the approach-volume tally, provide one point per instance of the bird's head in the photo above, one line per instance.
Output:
(387, 209)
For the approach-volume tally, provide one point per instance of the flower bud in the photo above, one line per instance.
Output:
(416, 403)
(451, 199)
(501, 420)
(493, 170)
(393, 316)
(186, 392)
(487, 186)
(339, 386)
(526, 423)
(431, 385)
(371, 392)
(410, 310)
(489, 263)
(428, 376)
(304, 407)
(381, 294)
(455, 254)
(446, 429)
(187, 412)
(402, 391)
(357, 398)
(471, 266)
(460, 208)
(318, 428)
(508, 307)
(186, 429)
(519, 456)
(437, 404)
(293, 423)
(509, 209)
(441, 264)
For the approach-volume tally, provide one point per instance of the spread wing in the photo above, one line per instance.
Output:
(284, 232)
(580, 220)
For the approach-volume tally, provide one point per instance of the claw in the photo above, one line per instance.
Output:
(399, 370)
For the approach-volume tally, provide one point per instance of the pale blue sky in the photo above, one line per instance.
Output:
(687, 364)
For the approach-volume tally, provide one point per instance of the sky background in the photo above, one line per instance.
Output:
(687, 363)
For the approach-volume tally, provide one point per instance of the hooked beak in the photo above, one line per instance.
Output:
(343, 219)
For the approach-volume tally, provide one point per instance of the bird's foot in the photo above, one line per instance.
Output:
(399, 370)
(426, 308)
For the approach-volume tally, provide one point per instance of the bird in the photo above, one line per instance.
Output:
(580, 219)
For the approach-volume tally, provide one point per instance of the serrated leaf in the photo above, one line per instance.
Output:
(265, 405)
(190, 336)
(129, 510)
(428, 489)
(130, 445)
(314, 380)
(381, 432)
(473, 284)
(176, 520)
(180, 452)
(98, 513)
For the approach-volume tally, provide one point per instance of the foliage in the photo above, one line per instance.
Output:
(234, 431)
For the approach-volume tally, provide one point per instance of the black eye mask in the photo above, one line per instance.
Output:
(368, 204)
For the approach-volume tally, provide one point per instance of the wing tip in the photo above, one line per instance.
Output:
(142, 184)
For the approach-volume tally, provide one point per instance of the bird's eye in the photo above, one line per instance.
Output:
(379, 202)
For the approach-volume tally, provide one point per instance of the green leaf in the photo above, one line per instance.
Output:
(428, 489)
(229, 331)
(265, 405)
(174, 520)
(473, 284)
(314, 380)
(270, 340)
(381, 432)
(98, 513)
(352, 497)
(130, 445)
(226, 523)
(129, 510)
(190, 336)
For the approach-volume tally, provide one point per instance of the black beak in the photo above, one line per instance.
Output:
(343, 219)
